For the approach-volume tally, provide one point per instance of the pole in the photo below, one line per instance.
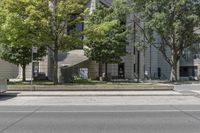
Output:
(138, 62)
(150, 60)
(134, 41)
(32, 66)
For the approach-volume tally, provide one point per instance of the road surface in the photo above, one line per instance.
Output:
(100, 119)
(168, 112)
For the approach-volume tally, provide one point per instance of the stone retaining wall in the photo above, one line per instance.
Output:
(88, 87)
(3, 85)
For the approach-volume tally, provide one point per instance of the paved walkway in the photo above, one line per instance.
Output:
(98, 100)
(40, 98)
(187, 87)
(91, 93)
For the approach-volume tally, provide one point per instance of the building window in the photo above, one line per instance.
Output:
(74, 29)
(35, 69)
(134, 50)
(134, 68)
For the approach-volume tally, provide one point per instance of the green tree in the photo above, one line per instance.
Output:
(17, 34)
(20, 55)
(58, 19)
(43, 22)
(174, 21)
(106, 35)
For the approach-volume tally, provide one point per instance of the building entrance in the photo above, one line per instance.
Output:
(121, 71)
(188, 71)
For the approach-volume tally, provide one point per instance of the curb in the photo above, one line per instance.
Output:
(90, 88)
(86, 95)
(95, 90)
(89, 93)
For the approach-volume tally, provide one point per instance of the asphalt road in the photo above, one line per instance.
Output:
(100, 119)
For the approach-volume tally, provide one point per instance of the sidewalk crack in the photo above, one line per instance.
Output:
(186, 113)
(22, 118)
(190, 93)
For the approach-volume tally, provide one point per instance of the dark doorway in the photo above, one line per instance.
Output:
(187, 71)
(121, 71)
(159, 72)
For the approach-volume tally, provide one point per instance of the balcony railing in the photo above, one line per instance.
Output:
(190, 57)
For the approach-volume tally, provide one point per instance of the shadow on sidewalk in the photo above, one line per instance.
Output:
(7, 96)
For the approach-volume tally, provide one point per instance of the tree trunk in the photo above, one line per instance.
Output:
(100, 69)
(174, 68)
(174, 73)
(55, 66)
(23, 73)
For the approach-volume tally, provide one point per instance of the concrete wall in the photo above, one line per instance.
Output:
(8, 70)
(197, 63)
(154, 60)
(67, 73)
(151, 62)
(3, 85)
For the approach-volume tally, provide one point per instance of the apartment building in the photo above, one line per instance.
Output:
(190, 64)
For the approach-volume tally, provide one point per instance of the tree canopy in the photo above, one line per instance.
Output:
(61, 18)
(18, 34)
(50, 23)
(20, 55)
(174, 22)
(106, 34)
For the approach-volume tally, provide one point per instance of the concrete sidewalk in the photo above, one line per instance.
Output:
(91, 93)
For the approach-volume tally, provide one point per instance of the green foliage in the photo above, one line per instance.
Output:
(174, 21)
(15, 27)
(106, 34)
(48, 23)
(58, 19)
(20, 55)
(17, 33)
